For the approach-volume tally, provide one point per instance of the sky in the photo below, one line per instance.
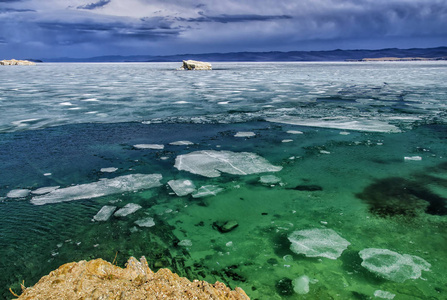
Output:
(86, 28)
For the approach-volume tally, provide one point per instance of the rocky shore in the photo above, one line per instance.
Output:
(15, 62)
(99, 279)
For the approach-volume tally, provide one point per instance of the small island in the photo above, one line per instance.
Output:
(15, 62)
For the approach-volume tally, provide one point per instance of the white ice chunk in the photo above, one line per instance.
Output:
(149, 146)
(45, 190)
(269, 179)
(182, 187)
(181, 143)
(109, 170)
(414, 158)
(286, 141)
(211, 163)
(384, 294)
(104, 213)
(301, 285)
(185, 243)
(19, 193)
(344, 123)
(145, 222)
(127, 183)
(392, 265)
(294, 132)
(128, 209)
(318, 243)
(245, 134)
(207, 190)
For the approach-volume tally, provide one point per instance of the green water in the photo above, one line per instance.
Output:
(326, 182)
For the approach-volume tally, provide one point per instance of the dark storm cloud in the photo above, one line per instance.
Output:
(232, 18)
(95, 5)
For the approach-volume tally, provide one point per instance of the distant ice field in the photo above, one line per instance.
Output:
(385, 96)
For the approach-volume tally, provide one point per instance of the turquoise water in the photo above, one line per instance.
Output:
(371, 167)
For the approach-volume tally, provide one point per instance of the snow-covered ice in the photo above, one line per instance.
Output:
(384, 294)
(318, 243)
(269, 179)
(392, 265)
(182, 187)
(413, 158)
(211, 163)
(126, 183)
(128, 209)
(301, 285)
(104, 213)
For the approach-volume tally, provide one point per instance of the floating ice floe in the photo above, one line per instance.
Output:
(149, 146)
(128, 209)
(301, 285)
(185, 243)
(245, 134)
(127, 183)
(392, 265)
(104, 213)
(359, 124)
(294, 132)
(19, 193)
(413, 158)
(181, 143)
(211, 163)
(287, 141)
(45, 190)
(318, 243)
(384, 294)
(269, 179)
(109, 170)
(207, 190)
(182, 187)
(145, 222)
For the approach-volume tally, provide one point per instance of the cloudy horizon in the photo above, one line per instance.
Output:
(86, 28)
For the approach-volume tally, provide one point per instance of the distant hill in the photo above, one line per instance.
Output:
(333, 55)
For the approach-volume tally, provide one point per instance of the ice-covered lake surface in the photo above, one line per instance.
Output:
(119, 160)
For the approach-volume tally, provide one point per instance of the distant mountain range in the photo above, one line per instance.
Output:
(333, 55)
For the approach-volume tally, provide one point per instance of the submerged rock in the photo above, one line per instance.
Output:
(318, 243)
(398, 196)
(392, 265)
(308, 188)
(98, 279)
(211, 163)
(195, 65)
(227, 226)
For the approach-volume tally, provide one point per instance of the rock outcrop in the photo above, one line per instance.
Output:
(195, 65)
(98, 279)
(14, 62)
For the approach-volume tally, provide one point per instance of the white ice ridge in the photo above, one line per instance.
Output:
(392, 265)
(182, 187)
(211, 163)
(127, 183)
(359, 124)
(318, 243)
(19, 193)
(104, 213)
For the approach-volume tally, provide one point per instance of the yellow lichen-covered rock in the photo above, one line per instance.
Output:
(99, 279)
(196, 65)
